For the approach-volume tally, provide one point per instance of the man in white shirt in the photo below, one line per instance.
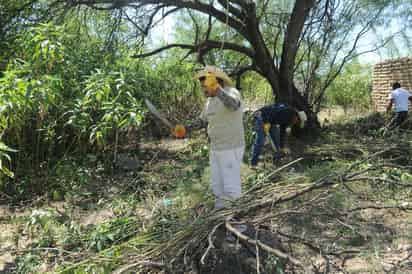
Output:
(400, 98)
(224, 115)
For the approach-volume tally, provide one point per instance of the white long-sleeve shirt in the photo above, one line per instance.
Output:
(224, 114)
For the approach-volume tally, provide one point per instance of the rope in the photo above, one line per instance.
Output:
(227, 25)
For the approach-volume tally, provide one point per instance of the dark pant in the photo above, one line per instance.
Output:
(260, 138)
(397, 119)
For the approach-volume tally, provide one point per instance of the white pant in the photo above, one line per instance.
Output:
(225, 175)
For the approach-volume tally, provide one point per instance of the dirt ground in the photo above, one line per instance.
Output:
(396, 226)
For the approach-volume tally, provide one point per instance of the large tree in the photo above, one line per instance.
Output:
(285, 43)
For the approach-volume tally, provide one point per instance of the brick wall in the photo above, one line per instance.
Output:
(384, 74)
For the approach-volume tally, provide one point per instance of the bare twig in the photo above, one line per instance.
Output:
(257, 252)
(210, 241)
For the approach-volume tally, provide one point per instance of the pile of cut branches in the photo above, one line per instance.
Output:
(295, 224)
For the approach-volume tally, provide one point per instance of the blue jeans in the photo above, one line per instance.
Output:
(397, 119)
(260, 138)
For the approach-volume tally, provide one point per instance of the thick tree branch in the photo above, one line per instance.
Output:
(202, 47)
(207, 9)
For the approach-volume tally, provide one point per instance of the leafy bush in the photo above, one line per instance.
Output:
(107, 107)
(352, 88)
(56, 99)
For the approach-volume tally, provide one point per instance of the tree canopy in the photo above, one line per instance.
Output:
(299, 47)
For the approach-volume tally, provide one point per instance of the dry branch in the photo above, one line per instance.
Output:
(265, 247)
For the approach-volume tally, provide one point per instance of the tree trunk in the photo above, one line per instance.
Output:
(287, 92)
(293, 97)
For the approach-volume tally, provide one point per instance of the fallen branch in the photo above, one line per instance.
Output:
(257, 252)
(265, 247)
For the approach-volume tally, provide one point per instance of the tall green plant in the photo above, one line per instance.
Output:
(106, 107)
(4, 156)
(30, 92)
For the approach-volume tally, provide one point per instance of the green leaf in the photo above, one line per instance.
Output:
(3, 147)
(6, 171)
(123, 123)
(3, 108)
(99, 97)
(99, 246)
(406, 177)
(111, 237)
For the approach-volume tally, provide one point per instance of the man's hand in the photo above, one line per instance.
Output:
(266, 128)
(211, 85)
(179, 131)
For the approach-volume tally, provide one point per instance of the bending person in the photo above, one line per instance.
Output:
(273, 120)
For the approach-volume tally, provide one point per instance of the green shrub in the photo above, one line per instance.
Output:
(352, 88)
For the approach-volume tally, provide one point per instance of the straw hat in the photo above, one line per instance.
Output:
(220, 74)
